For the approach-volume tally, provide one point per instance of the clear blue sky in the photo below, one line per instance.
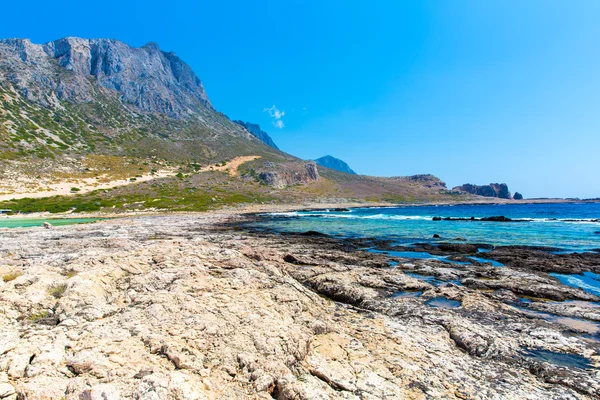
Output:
(469, 90)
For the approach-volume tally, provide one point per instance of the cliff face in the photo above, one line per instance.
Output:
(74, 69)
(499, 190)
(334, 163)
(290, 174)
(261, 135)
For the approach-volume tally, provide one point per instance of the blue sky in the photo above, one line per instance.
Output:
(469, 90)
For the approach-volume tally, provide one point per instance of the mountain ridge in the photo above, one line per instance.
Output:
(258, 133)
(162, 81)
(334, 163)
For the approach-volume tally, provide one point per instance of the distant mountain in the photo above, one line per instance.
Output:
(499, 190)
(334, 163)
(261, 135)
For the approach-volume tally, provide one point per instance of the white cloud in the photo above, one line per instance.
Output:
(276, 114)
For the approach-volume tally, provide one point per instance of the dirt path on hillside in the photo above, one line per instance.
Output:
(232, 166)
(86, 185)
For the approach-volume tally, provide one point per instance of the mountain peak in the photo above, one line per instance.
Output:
(255, 131)
(151, 46)
(147, 78)
(334, 163)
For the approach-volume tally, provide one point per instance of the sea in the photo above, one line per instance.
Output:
(29, 222)
(560, 227)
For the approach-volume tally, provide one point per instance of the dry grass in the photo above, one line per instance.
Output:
(69, 273)
(57, 290)
(11, 276)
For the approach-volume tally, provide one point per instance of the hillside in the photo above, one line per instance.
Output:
(97, 116)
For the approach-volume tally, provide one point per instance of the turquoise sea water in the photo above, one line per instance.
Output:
(27, 222)
(570, 227)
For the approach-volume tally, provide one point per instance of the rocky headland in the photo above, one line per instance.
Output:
(204, 307)
(498, 190)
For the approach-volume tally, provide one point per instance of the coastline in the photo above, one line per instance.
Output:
(200, 304)
(287, 207)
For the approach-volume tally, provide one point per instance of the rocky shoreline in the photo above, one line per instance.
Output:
(203, 307)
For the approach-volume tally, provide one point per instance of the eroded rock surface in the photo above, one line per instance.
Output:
(185, 307)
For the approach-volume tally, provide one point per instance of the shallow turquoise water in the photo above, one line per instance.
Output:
(570, 227)
(28, 222)
(573, 227)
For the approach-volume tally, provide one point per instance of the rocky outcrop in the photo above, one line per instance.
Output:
(499, 190)
(334, 163)
(518, 196)
(427, 180)
(74, 69)
(261, 135)
(284, 175)
(184, 307)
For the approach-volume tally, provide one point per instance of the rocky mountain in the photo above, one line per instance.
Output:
(80, 113)
(258, 133)
(67, 99)
(499, 190)
(334, 163)
(74, 69)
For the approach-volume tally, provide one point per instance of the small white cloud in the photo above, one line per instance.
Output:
(276, 114)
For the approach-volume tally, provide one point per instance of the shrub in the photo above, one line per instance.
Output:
(58, 290)
(40, 315)
(75, 189)
(69, 273)
(11, 276)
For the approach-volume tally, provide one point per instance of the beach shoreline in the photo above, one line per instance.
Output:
(282, 207)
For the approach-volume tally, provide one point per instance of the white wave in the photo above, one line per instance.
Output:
(351, 215)
(282, 214)
(576, 221)
(368, 217)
